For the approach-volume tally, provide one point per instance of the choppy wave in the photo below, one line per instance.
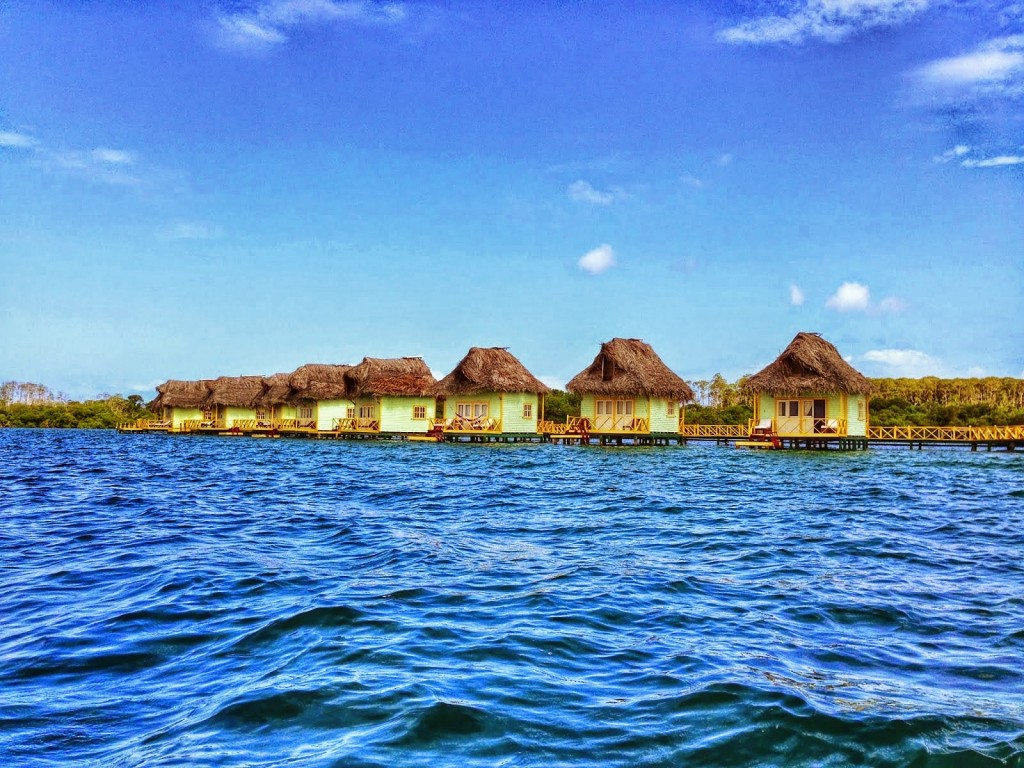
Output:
(188, 601)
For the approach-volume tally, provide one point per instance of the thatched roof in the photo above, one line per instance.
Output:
(276, 390)
(629, 367)
(235, 391)
(176, 393)
(808, 364)
(489, 369)
(392, 376)
(317, 381)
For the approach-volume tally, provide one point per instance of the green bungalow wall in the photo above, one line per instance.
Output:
(853, 408)
(662, 418)
(506, 407)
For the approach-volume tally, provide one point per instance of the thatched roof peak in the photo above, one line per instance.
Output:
(629, 367)
(276, 390)
(235, 391)
(808, 364)
(177, 393)
(319, 381)
(408, 376)
(489, 369)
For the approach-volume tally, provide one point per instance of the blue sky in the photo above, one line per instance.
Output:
(200, 189)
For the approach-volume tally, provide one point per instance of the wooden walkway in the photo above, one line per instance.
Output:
(914, 437)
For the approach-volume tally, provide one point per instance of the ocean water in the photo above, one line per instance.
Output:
(186, 601)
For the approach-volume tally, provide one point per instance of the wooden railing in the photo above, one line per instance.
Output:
(545, 427)
(948, 434)
(722, 431)
(483, 424)
(145, 425)
(356, 425)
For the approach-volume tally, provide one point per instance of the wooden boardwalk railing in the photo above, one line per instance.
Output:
(948, 434)
(717, 431)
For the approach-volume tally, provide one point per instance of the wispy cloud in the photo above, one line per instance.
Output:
(583, 192)
(828, 20)
(994, 162)
(796, 295)
(909, 363)
(269, 23)
(112, 156)
(598, 260)
(856, 297)
(14, 140)
(971, 157)
(692, 181)
(992, 63)
(102, 164)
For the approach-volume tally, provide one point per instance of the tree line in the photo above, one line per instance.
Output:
(23, 404)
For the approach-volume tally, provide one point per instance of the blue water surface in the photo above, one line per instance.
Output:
(182, 601)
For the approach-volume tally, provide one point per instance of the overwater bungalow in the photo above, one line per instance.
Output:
(231, 402)
(809, 392)
(179, 402)
(389, 395)
(491, 392)
(318, 397)
(628, 390)
(273, 404)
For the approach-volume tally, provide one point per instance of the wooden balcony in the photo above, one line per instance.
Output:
(356, 426)
(462, 425)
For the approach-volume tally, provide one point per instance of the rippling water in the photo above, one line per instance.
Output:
(171, 601)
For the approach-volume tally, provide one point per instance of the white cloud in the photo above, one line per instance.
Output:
(270, 22)
(582, 192)
(910, 363)
(112, 156)
(952, 154)
(850, 297)
(992, 62)
(828, 20)
(16, 140)
(692, 181)
(726, 159)
(598, 260)
(994, 162)
(796, 295)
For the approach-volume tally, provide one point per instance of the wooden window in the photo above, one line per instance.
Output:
(207, 414)
(527, 410)
(261, 415)
(306, 412)
(365, 411)
(419, 412)
(350, 412)
(671, 410)
(471, 410)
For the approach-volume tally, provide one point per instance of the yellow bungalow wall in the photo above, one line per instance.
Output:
(396, 413)
(654, 409)
(506, 407)
(178, 416)
(228, 414)
(837, 406)
(328, 411)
